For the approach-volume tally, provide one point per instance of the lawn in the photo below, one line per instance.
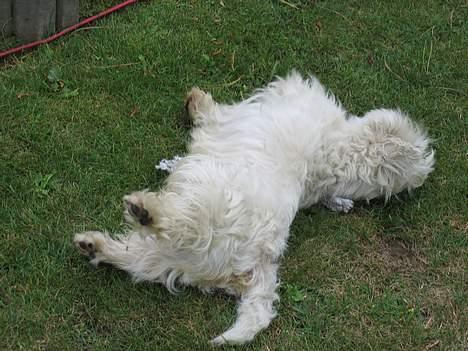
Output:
(84, 120)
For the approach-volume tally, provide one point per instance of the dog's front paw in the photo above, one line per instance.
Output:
(89, 243)
(134, 208)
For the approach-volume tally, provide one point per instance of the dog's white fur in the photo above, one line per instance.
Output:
(222, 218)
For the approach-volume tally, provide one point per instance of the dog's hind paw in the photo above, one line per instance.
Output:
(222, 340)
(338, 204)
(218, 341)
(198, 105)
(229, 338)
(134, 208)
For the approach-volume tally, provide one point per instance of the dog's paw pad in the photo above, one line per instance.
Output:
(134, 207)
(140, 213)
(87, 244)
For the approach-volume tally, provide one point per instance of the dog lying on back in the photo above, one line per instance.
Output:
(221, 221)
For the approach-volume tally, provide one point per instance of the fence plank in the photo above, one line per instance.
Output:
(6, 18)
(34, 19)
(67, 13)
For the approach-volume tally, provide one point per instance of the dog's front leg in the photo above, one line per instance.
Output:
(101, 247)
(135, 251)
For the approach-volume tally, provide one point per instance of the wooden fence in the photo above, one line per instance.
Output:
(31, 20)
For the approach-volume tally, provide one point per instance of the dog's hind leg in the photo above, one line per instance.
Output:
(256, 308)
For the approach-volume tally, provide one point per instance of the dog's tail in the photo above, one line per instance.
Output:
(395, 152)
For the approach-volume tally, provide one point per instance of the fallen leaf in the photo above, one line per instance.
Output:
(432, 345)
(216, 52)
(135, 110)
(428, 324)
(318, 26)
(19, 96)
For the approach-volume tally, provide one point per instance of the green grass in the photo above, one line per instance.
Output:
(83, 122)
(91, 7)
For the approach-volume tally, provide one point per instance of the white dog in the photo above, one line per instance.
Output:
(222, 218)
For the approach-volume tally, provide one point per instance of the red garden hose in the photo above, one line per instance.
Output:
(86, 21)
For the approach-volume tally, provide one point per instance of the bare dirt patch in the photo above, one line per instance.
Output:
(395, 255)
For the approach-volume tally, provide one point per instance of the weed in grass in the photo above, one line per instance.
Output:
(43, 184)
